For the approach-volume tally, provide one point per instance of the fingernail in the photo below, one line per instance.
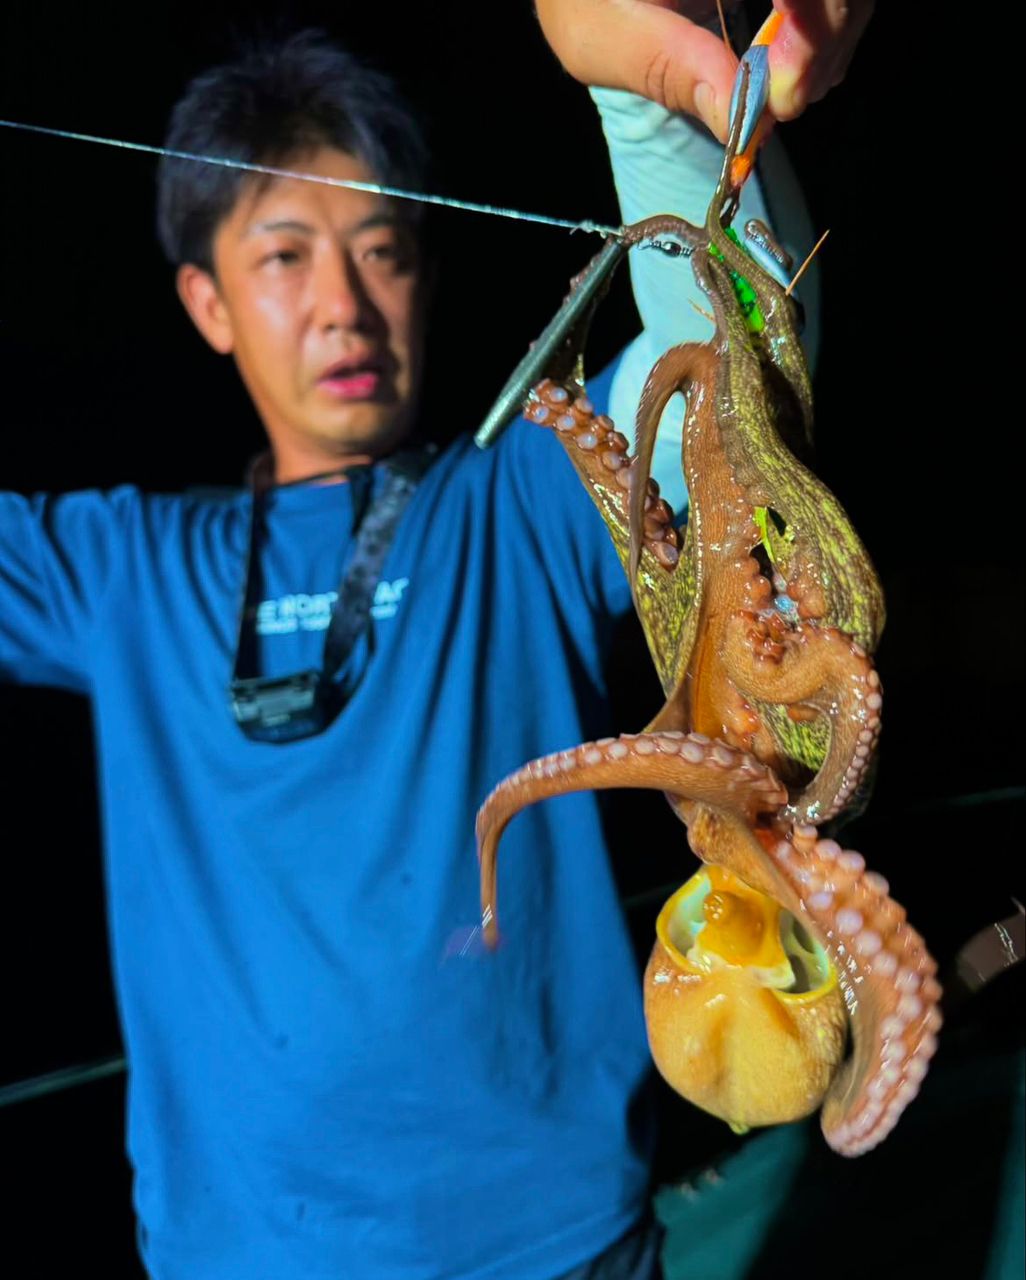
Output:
(788, 63)
(785, 98)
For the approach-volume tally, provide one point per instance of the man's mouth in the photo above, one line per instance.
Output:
(352, 380)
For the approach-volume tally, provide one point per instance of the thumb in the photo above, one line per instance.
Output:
(647, 49)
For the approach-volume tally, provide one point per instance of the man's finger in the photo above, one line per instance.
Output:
(646, 48)
(812, 50)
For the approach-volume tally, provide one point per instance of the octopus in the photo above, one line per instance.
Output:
(784, 976)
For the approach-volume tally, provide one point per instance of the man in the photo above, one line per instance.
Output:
(321, 1084)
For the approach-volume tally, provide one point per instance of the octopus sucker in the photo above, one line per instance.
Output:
(762, 615)
(600, 448)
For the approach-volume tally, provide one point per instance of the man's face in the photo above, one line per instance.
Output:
(317, 295)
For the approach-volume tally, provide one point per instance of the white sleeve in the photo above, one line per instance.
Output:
(666, 163)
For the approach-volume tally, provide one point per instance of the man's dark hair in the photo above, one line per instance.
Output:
(273, 102)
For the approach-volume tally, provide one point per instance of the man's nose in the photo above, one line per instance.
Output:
(341, 301)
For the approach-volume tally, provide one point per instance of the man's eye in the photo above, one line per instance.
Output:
(388, 254)
(282, 257)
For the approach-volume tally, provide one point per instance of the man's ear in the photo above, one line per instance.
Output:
(202, 299)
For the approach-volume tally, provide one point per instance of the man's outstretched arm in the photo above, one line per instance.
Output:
(59, 558)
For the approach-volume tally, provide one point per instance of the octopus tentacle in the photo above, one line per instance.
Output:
(660, 224)
(824, 543)
(886, 975)
(601, 456)
(782, 348)
(818, 668)
(687, 765)
(763, 246)
(672, 372)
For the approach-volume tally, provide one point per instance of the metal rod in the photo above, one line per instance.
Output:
(536, 362)
(56, 1081)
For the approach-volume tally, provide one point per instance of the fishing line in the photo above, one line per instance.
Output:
(374, 188)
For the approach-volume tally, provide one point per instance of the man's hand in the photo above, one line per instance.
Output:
(657, 48)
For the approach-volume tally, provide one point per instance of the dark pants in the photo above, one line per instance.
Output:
(633, 1257)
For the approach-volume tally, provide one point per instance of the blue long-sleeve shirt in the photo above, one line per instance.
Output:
(320, 1084)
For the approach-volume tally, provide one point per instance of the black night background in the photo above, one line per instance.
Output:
(105, 382)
